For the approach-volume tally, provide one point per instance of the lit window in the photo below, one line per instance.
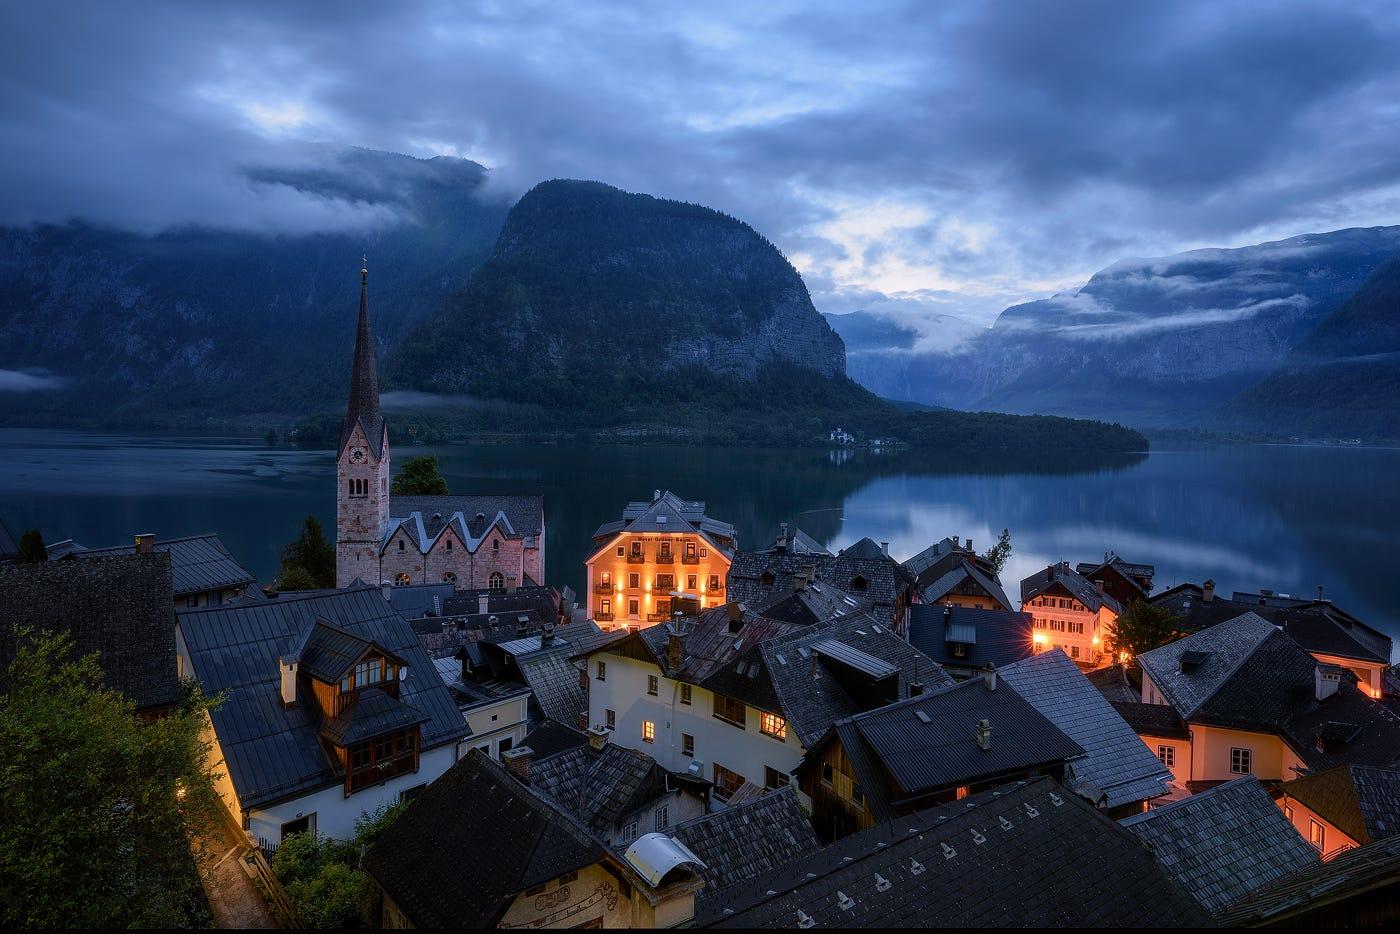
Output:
(1241, 761)
(1168, 756)
(773, 725)
(1317, 835)
(402, 580)
(648, 731)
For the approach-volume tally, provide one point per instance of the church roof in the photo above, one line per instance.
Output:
(363, 408)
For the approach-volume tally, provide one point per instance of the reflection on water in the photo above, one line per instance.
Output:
(1289, 518)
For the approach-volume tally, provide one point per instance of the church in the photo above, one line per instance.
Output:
(474, 542)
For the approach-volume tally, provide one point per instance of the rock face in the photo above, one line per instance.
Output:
(589, 285)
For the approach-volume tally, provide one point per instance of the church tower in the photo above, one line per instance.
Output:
(362, 464)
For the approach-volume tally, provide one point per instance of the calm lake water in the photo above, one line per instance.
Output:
(1289, 518)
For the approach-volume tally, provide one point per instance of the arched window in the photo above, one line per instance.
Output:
(400, 544)
(449, 578)
(497, 581)
(402, 579)
(449, 544)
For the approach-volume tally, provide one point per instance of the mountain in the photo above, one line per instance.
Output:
(1343, 379)
(111, 327)
(1156, 342)
(893, 359)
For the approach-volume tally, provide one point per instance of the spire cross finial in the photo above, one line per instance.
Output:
(364, 268)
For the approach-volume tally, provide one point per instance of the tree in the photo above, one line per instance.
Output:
(325, 880)
(308, 561)
(31, 547)
(419, 476)
(96, 804)
(999, 552)
(1143, 627)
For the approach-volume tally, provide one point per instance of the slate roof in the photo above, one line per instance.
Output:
(866, 548)
(1361, 802)
(884, 579)
(415, 601)
(999, 637)
(1152, 719)
(1116, 764)
(747, 840)
(954, 577)
(471, 516)
(667, 512)
(796, 542)
(1219, 652)
(474, 839)
(709, 643)
(372, 713)
(329, 651)
(550, 737)
(273, 752)
(363, 405)
(810, 604)
(197, 563)
(120, 607)
(928, 743)
(1112, 682)
(1075, 584)
(1225, 843)
(599, 786)
(930, 870)
(1373, 868)
(1130, 573)
(540, 599)
(940, 558)
(550, 672)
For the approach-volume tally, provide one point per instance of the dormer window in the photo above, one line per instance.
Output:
(859, 583)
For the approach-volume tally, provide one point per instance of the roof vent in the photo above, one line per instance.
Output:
(1193, 658)
(984, 735)
(948, 851)
(916, 868)
(844, 901)
(978, 837)
(804, 920)
(881, 883)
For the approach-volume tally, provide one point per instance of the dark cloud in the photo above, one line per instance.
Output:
(951, 157)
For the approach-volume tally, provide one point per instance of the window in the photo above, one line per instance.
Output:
(621, 551)
(859, 583)
(495, 544)
(828, 774)
(726, 782)
(629, 832)
(685, 694)
(449, 577)
(449, 544)
(1241, 761)
(648, 731)
(1168, 756)
(400, 544)
(663, 817)
(653, 685)
(704, 552)
(857, 797)
(505, 745)
(1317, 835)
(610, 718)
(497, 581)
(665, 582)
(367, 673)
(665, 549)
(605, 608)
(772, 778)
(305, 824)
(636, 549)
(687, 745)
(1074, 651)
(634, 580)
(607, 579)
(402, 580)
(632, 608)
(714, 582)
(690, 549)
(1288, 811)
(731, 711)
(602, 671)
(770, 724)
(692, 581)
(959, 650)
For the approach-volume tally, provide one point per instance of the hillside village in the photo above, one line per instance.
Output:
(728, 733)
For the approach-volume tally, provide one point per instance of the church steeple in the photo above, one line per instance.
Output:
(364, 380)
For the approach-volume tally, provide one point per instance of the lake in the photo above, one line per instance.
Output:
(1287, 517)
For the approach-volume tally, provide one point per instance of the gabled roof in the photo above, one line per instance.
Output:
(884, 580)
(197, 563)
(550, 737)
(796, 542)
(1361, 802)
(120, 607)
(668, 513)
(471, 842)
(995, 859)
(373, 712)
(866, 549)
(1116, 764)
(599, 786)
(1373, 868)
(709, 643)
(1131, 574)
(747, 840)
(330, 651)
(1225, 843)
(996, 636)
(273, 752)
(928, 743)
(1060, 577)
(810, 604)
(551, 673)
(1190, 671)
(416, 601)
(469, 516)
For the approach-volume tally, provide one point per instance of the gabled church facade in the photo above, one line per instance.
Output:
(471, 541)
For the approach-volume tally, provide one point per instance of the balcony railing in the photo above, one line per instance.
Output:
(636, 557)
(381, 772)
(665, 558)
(690, 559)
(658, 617)
(604, 617)
(603, 587)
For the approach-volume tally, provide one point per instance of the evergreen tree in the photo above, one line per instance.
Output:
(31, 547)
(419, 476)
(1144, 627)
(308, 562)
(999, 552)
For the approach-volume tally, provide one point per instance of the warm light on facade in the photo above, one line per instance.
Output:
(1038, 638)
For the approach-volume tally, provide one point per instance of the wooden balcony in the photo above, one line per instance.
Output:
(604, 617)
(636, 557)
(603, 587)
(690, 559)
(666, 558)
(381, 772)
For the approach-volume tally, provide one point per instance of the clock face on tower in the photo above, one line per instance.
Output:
(358, 455)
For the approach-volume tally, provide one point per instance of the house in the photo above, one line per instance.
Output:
(468, 540)
(1070, 613)
(119, 606)
(1358, 889)
(1224, 844)
(331, 709)
(734, 697)
(657, 552)
(548, 603)
(201, 569)
(792, 540)
(746, 840)
(1332, 635)
(952, 573)
(1027, 855)
(757, 578)
(1118, 771)
(495, 710)
(1164, 732)
(964, 640)
(1254, 702)
(1121, 580)
(480, 849)
(1344, 807)
(931, 748)
(619, 794)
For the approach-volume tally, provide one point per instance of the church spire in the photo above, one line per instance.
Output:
(364, 380)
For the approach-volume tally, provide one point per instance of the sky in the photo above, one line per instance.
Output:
(916, 159)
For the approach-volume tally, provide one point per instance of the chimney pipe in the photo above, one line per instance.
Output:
(483, 604)
(969, 546)
(1325, 683)
(956, 540)
(145, 543)
(288, 667)
(885, 549)
(546, 635)
(598, 737)
(1319, 593)
(520, 762)
(984, 735)
(675, 647)
(1208, 592)
(947, 618)
(512, 584)
(989, 676)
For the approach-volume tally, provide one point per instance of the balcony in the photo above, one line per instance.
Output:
(690, 559)
(381, 772)
(603, 587)
(658, 617)
(666, 558)
(604, 617)
(636, 557)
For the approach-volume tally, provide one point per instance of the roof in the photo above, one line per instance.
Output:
(472, 516)
(197, 563)
(550, 737)
(1374, 867)
(599, 786)
(998, 637)
(1131, 574)
(470, 842)
(795, 541)
(1189, 671)
(747, 840)
(273, 752)
(809, 604)
(539, 598)
(966, 865)
(1224, 843)
(415, 601)
(929, 743)
(1116, 763)
(709, 643)
(1152, 719)
(884, 579)
(552, 675)
(668, 513)
(373, 712)
(1361, 802)
(1112, 682)
(956, 577)
(867, 547)
(363, 406)
(329, 651)
(119, 607)
(1061, 576)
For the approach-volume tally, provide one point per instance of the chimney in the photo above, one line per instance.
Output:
(782, 535)
(956, 540)
(675, 647)
(885, 549)
(546, 635)
(1325, 682)
(989, 676)
(288, 667)
(655, 495)
(483, 604)
(984, 735)
(512, 584)
(969, 546)
(145, 543)
(598, 737)
(1319, 593)
(1050, 571)
(735, 612)
(1208, 592)
(916, 687)
(518, 761)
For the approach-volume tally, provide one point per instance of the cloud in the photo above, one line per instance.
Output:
(32, 380)
(958, 156)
